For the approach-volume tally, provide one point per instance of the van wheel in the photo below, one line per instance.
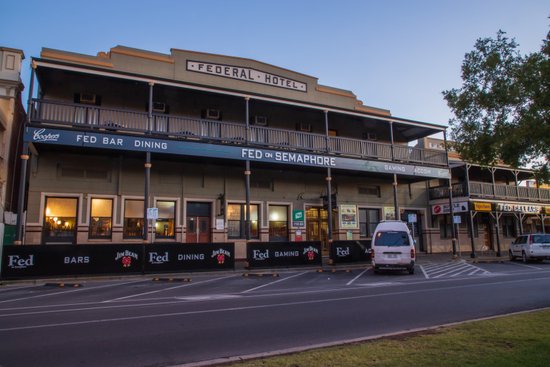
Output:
(511, 255)
(376, 270)
(411, 270)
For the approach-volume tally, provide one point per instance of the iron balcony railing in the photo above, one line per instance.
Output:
(488, 191)
(111, 119)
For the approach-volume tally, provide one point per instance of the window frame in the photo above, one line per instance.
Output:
(99, 237)
(124, 227)
(242, 222)
(53, 239)
(173, 236)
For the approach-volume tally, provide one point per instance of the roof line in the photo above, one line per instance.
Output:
(156, 80)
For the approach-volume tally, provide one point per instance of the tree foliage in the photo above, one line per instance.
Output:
(502, 110)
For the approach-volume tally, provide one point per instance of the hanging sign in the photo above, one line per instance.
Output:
(483, 207)
(518, 208)
(298, 218)
(460, 207)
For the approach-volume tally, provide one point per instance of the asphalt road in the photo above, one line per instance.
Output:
(140, 322)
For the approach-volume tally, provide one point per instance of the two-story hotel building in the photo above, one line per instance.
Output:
(138, 146)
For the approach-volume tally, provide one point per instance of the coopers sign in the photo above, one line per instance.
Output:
(246, 74)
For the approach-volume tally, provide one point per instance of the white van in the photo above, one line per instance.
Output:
(392, 247)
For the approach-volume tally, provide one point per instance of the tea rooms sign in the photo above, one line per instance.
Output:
(246, 74)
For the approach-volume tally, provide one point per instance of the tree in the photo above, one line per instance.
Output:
(502, 110)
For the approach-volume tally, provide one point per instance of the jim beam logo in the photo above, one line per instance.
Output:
(310, 253)
(126, 258)
(220, 255)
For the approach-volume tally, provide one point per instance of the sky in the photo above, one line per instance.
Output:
(393, 54)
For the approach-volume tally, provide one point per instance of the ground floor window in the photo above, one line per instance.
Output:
(278, 223)
(165, 224)
(236, 221)
(368, 220)
(60, 219)
(101, 218)
(133, 219)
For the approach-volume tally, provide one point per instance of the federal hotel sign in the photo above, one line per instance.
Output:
(185, 148)
(246, 74)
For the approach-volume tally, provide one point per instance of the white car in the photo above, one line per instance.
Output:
(393, 247)
(534, 246)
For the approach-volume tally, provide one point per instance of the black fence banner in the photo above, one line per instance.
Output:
(273, 254)
(70, 260)
(172, 257)
(350, 251)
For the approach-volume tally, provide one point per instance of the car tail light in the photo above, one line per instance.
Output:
(413, 252)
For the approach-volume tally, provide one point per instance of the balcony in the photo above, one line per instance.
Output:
(189, 128)
(483, 190)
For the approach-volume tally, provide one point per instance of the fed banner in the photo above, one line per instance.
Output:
(350, 251)
(273, 254)
(70, 260)
(188, 257)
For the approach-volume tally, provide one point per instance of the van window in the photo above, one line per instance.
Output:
(392, 239)
(541, 238)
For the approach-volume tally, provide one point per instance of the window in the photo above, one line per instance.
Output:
(392, 239)
(278, 223)
(368, 219)
(60, 219)
(369, 191)
(101, 218)
(236, 221)
(133, 219)
(164, 227)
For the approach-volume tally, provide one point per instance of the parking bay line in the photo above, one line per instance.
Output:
(167, 289)
(357, 277)
(276, 281)
(70, 291)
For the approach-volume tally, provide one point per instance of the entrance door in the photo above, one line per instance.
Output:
(198, 226)
(317, 226)
(487, 233)
(415, 228)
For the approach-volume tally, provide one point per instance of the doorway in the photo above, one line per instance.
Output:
(198, 223)
(415, 227)
(317, 226)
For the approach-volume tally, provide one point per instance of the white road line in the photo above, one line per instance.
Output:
(447, 269)
(167, 289)
(357, 277)
(266, 306)
(424, 272)
(527, 266)
(71, 291)
(271, 283)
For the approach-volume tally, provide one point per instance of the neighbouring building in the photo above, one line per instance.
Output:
(12, 118)
(495, 203)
